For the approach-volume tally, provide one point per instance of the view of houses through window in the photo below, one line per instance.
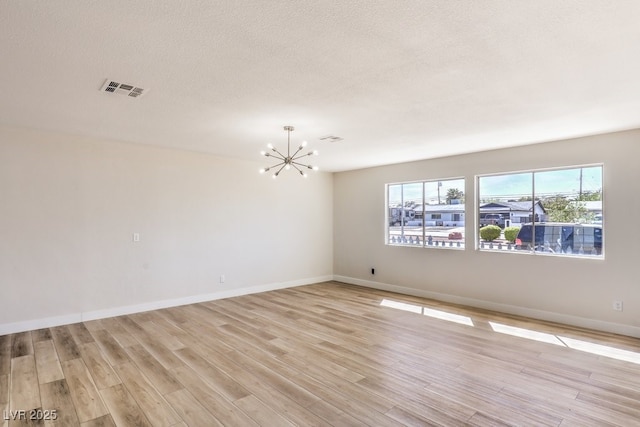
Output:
(550, 211)
(427, 213)
(555, 211)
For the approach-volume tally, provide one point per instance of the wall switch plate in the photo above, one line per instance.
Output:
(617, 305)
(136, 237)
(222, 278)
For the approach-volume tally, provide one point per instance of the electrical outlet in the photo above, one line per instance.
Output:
(373, 271)
(617, 305)
(222, 278)
(136, 237)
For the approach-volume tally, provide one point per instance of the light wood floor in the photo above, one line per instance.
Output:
(325, 354)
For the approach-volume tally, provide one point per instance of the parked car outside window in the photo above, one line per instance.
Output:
(492, 219)
(565, 238)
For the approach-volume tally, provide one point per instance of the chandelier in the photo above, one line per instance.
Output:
(290, 160)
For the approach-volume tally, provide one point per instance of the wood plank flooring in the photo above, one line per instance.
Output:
(319, 355)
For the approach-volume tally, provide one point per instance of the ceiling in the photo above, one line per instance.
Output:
(397, 80)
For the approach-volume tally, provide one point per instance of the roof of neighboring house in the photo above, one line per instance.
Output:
(444, 208)
(511, 206)
(437, 208)
(491, 207)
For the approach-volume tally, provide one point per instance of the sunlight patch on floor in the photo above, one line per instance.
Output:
(437, 314)
(451, 317)
(575, 344)
(602, 350)
(525, 333)
(530, 334)
(401, 306)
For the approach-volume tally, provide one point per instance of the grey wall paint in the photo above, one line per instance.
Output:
(561, 288)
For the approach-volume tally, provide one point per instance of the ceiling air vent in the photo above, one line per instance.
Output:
(331, 138)
(122, 89)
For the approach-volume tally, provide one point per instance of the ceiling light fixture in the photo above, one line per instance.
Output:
(290, 160)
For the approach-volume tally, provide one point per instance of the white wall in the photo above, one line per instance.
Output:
(575, 291)
(69, 206)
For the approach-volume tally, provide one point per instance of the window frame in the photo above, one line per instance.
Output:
(460, 245)
(533, 215)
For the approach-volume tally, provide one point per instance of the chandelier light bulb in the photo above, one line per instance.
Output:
(262, 170)
(315, 168)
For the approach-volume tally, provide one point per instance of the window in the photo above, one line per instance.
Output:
(555, 212)
(426, 214)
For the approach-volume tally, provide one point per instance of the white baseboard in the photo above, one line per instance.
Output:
(49, 322)
(599, 325)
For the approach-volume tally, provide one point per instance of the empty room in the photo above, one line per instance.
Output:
(408, 213)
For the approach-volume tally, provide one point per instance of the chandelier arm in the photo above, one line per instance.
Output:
(302, 165)
(293, 156)
(310, 153)
(282, 156)
(277, 164)
(280, 170)
(297, 168)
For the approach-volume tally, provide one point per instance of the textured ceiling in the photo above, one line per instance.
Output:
(398, 80)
